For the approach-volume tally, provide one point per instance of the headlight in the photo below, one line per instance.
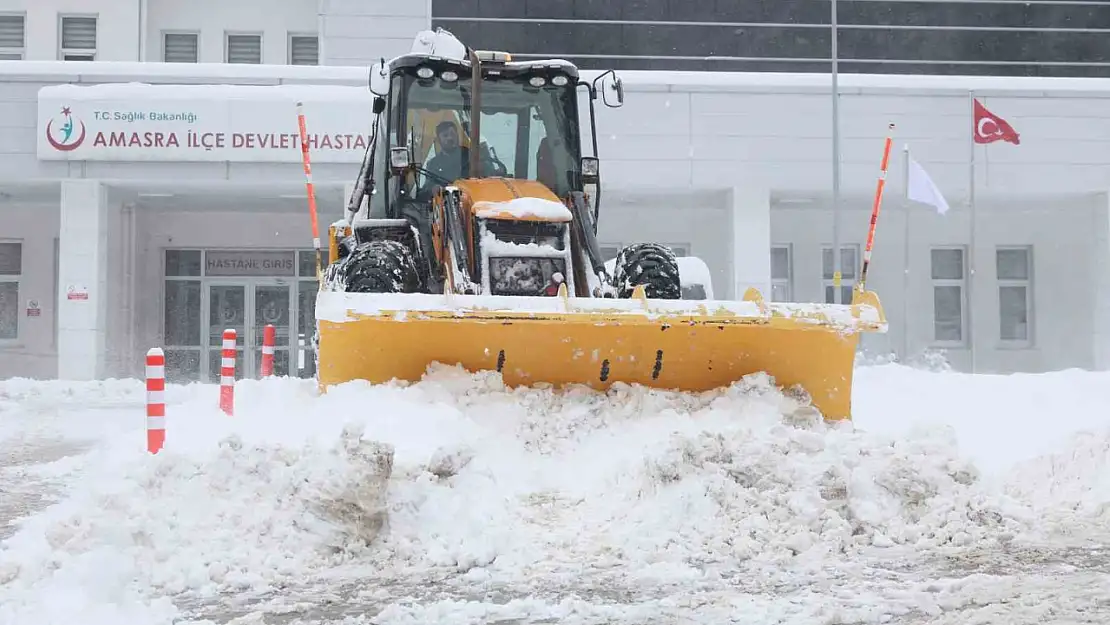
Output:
(449, 76)
(559, 80)
(537, 81)
(425, 72)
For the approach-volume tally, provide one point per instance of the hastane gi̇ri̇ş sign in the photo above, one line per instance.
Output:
(127, 122)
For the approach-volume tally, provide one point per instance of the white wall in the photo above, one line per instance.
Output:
(741, 130)
(118, 26)
(213, 18)
(679, 132)
(35, 225)
(359, 32)
(1066, 272)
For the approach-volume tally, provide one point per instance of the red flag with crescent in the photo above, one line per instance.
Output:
(990, 127)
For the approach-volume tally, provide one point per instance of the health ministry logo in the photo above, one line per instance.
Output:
(63, 138)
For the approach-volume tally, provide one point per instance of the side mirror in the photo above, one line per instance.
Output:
(379, 79)
(612, 91)
(591, 170)
(400, 158)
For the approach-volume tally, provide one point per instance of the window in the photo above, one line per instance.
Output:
(12, 37)
(243, 48)
(512, 114)
(782, 271)
(849, 257)
(11, 266)
(949, 289)
(1015, 301)
(180, 47)
(78, 38)
(181, 329)
(304, 50)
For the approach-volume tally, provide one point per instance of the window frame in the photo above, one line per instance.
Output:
(845, 283)
(16, 54)
(17, 279)
(70, 54)
(1027, 283)
(787, 283)
(289, 58)
(228, 34)
(962, 282)
(191, 33)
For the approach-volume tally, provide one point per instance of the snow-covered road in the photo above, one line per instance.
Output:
(950, 499)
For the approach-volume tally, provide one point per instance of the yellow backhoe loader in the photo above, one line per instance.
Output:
(473, 242)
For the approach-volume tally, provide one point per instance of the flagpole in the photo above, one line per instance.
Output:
(837, 275)
(971, 244)
(906, 254)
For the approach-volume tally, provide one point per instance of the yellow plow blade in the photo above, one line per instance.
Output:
(667, 344)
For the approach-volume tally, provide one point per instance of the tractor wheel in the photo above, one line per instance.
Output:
(380, 266)
(651, 265)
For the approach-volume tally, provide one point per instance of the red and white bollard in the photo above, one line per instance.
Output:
(155, 400)
(268, 337)
(227, 373)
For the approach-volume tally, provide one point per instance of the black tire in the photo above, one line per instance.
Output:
(380, 266)
(650, 264)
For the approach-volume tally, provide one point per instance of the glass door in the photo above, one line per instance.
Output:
(227, 309)
(272, 305)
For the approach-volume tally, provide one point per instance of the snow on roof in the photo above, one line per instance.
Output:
(144, 91)
(101, 71)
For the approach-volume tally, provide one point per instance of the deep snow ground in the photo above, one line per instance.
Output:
(950, 499)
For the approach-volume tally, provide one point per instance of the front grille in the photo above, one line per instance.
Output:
(524, 275)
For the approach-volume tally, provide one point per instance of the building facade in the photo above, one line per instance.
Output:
(115, 238)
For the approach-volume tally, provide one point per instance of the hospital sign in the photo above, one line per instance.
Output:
(133, 122)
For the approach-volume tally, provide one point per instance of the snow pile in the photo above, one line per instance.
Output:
(1071, 484)
(523, 208)
(663, 483)
(213, 513)
(542, 492)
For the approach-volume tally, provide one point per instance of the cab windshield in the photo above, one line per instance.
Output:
(531, 132)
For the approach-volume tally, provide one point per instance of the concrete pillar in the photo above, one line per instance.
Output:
(82, 280)
(1100, 342)
(751, 241)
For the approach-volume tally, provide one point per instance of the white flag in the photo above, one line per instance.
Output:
(921, 188)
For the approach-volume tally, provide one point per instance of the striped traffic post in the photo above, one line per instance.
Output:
(227, 373)
(155, 400)
(268, 337)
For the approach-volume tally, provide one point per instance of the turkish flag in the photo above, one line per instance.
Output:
(990, 127)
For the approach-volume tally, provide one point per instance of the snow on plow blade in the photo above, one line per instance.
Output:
(668, 344)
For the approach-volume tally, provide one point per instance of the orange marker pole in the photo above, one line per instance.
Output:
(268, 336)
(876, 206)
(227, 372)
(311, 190)
(155, 400)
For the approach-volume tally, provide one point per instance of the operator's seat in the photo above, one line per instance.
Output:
(545, 165)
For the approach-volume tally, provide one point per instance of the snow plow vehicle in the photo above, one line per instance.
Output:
(471, 239)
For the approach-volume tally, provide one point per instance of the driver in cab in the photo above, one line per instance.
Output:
(452, 161)
(449, 161)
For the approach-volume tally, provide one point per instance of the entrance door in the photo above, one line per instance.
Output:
(273, 305)
(247, 307)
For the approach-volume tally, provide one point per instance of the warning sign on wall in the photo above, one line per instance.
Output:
(33, 308)
(77, 292)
